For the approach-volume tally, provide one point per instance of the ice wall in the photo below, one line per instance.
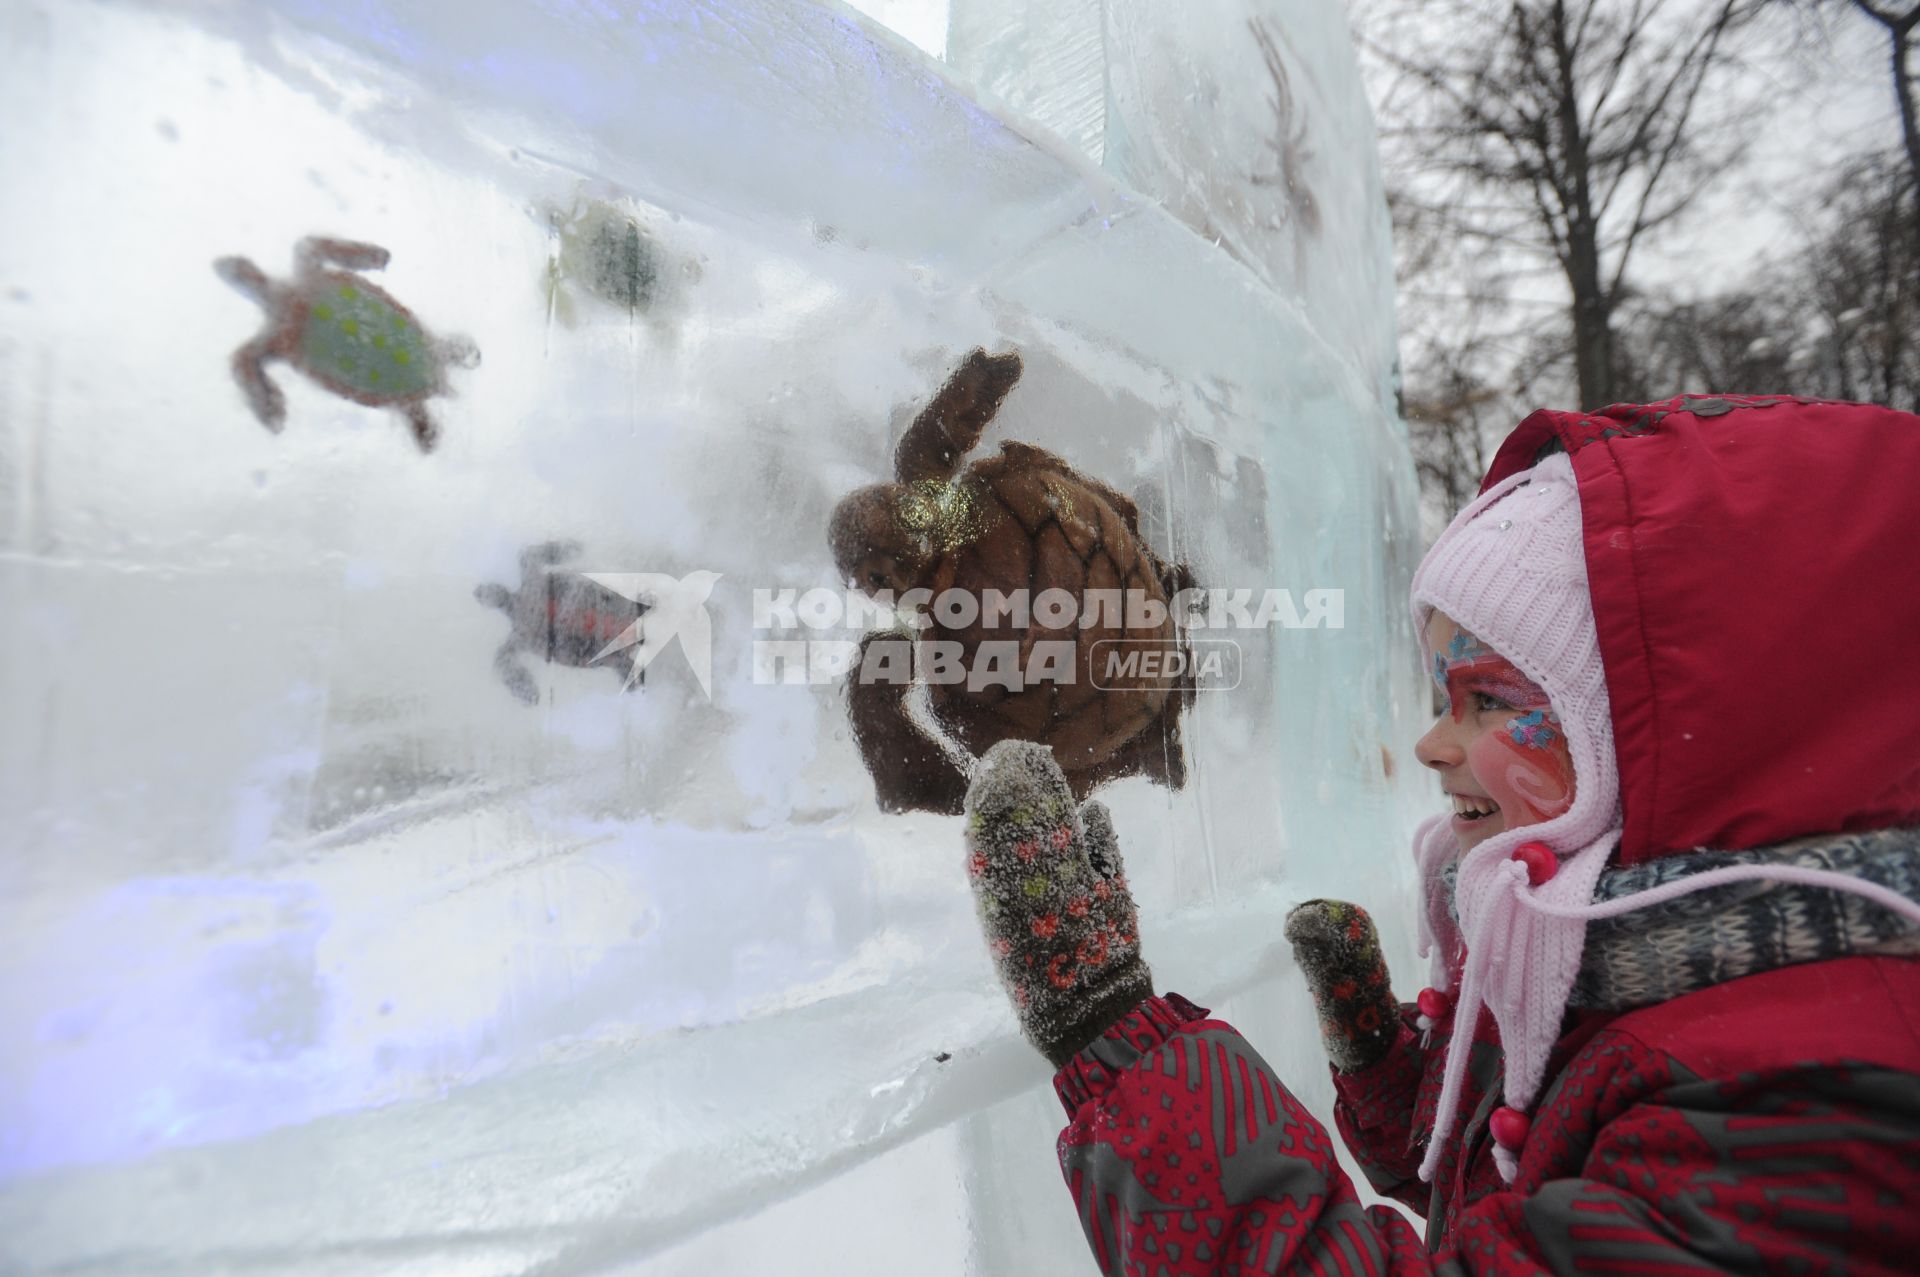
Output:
(1242, 119)
(325, 952)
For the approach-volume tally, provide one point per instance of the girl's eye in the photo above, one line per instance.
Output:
(1486, 702)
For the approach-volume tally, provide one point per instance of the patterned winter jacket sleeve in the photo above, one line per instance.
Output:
(1374, 1114)
(1187, 1157)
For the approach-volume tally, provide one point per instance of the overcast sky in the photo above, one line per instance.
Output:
(1832, 98)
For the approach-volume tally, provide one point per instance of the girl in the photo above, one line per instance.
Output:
(1658, 630)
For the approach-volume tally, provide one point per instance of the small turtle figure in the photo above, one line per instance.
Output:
(605, 249)
(560, 616)
(602, 248)
(1024, 520)
(343, 332)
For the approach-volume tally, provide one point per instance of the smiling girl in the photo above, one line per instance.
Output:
(1673, 1015)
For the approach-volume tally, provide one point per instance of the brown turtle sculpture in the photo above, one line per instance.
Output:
(1023, 520)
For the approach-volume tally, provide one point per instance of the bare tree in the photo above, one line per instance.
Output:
(1861, 284)
(1900, 29)
(1449, 431)
(1572, 131)
(1456, 339)
(1837, 319)
(1740, 342)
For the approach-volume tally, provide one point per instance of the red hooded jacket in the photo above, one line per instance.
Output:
(1755, 571)
(1754, 565)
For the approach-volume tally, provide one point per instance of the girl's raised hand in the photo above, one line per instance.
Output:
(1339, 952)
(1053, 900)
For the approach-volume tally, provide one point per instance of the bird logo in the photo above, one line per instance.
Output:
(676, 609)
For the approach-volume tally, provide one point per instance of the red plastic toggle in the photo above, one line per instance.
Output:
(1539, 859)
(1509, 1127)
(1433, 1004)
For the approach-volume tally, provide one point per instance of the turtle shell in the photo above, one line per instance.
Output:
(1037, 524)
(362, 343)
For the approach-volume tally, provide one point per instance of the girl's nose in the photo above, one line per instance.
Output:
(1440, 748)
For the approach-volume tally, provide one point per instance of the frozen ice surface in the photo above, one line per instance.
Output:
(325, 953)
(1243, 118)
(1044, 59)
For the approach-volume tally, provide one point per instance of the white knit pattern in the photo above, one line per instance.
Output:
(1511, 570)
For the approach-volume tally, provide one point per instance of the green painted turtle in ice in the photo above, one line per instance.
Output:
(561, 617)
(1022, 521)
(343, 332)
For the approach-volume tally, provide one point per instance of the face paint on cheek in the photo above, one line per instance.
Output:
(1525, 768)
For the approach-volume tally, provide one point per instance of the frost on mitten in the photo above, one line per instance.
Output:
(1337, 948)
(1053, 901)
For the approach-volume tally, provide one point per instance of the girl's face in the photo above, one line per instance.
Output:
(1498, 746)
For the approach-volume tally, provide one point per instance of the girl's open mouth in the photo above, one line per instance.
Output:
(1469, 811)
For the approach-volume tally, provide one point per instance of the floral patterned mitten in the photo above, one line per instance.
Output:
(1053, 901)
(1339, 951)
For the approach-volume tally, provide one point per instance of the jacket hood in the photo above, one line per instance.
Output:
(1754, 567)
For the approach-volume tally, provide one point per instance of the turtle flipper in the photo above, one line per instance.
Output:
(268, 401)
(910, 773)
(950, 426)
(318, 250)
(247, 278)
(425, 432)
(543, 554)
(514, 675)
(1163, 756)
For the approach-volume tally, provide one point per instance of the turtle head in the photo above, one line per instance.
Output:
(874, 548)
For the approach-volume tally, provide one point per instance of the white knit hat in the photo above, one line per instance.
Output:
(1511, 570)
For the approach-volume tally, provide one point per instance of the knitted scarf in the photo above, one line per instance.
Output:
(1718, 934)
